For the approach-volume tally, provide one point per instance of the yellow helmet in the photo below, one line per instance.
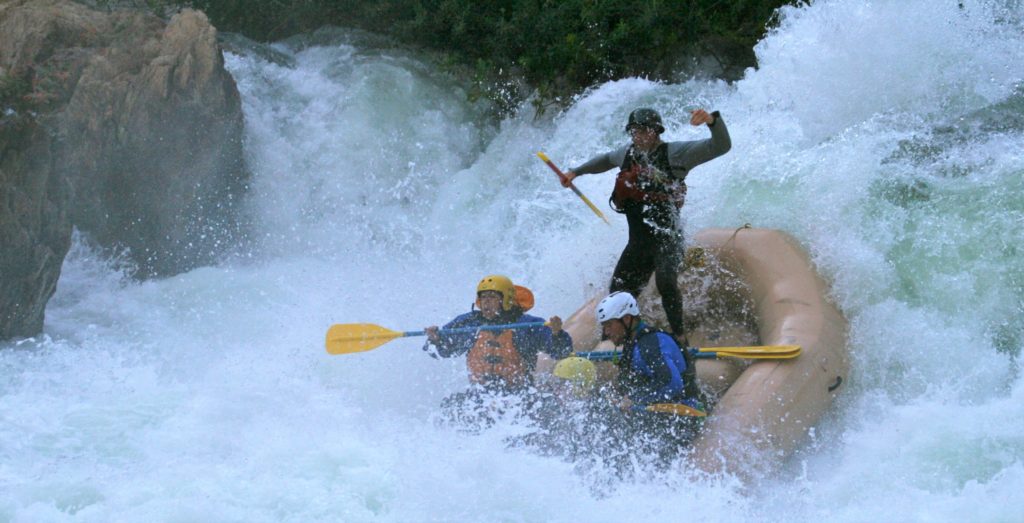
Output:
(580, 372)
(498, 283)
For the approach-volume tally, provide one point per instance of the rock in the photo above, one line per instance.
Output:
(160, 126)
(136, 121)
(34, 226)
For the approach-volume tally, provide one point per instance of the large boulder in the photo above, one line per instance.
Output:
(129, 128)
(34, 225)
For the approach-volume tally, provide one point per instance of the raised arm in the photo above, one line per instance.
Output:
(688, 155)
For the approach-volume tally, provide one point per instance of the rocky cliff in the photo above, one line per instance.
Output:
(121, 124)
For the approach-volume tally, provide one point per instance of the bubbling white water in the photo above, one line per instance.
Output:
(886, 137)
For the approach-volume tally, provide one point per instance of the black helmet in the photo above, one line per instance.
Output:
(645, 117)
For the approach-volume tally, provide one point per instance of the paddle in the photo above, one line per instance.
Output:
(766, 352)
(347, 338)
(561, 176)
(677, 409)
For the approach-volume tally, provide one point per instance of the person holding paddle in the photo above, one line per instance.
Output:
(650, 190)
(500, 359)
(652, 369)
(654, 409)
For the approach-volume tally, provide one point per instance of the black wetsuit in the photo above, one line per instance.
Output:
(655, 240)
(655, 233)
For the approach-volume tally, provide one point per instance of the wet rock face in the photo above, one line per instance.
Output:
(152, 143)
(34, 226)
(122, 125)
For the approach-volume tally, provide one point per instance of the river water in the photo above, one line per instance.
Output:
(886, 136)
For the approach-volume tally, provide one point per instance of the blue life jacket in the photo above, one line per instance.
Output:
(652, 369)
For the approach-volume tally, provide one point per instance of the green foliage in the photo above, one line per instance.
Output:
(557, 46)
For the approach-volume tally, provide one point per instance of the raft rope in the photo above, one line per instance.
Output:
(737, 231)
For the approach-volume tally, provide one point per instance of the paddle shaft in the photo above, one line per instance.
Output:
(676, 409)
(464, 330)
(607, 355)
(348, 338)
(561, 176)
(697, 353)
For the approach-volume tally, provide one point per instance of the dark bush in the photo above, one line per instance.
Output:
(559, 47)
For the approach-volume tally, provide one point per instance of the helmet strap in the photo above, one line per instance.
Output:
(632, 328)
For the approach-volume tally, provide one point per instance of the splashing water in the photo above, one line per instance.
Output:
(885, 136)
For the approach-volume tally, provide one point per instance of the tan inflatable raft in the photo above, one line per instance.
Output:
(750, 287)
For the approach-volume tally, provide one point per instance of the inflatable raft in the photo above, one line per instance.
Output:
(750, 287)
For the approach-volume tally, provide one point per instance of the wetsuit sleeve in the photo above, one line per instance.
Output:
(687, 155)
(533, 340)
(667, 382)
(457, 344)
(561, 344)
(541, 339)
(602, 162)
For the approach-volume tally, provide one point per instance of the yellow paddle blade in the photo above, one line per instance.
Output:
(678, 409)
(346, 338)
(759, 356)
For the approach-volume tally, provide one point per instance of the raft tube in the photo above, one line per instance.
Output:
(765, 408)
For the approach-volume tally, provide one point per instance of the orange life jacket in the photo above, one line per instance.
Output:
(494, 358)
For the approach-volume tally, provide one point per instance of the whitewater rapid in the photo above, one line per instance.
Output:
(886, 136)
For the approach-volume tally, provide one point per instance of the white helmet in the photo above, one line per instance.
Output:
(615, 306)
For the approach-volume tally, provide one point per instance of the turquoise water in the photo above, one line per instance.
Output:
(885, 136)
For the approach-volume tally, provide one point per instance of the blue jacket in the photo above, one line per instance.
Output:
(651, 369)
(528, 341)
